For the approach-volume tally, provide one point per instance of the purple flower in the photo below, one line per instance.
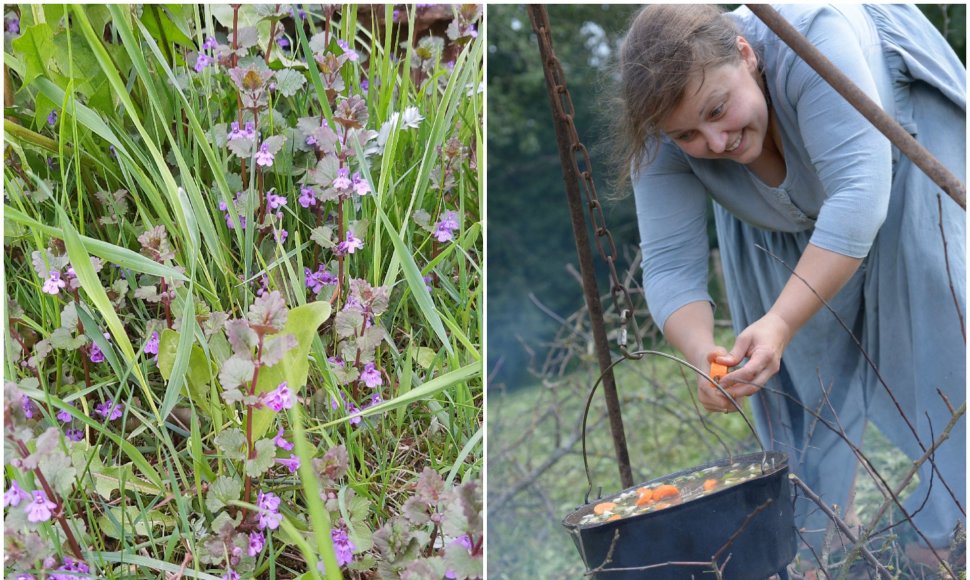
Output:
(279, 398)
(263, 285)
(315, 281)
(281, 442)
(427, 282)
(28, 406)
(464, 541)
(13, 25)
(74, 434)
(63, 416)
(396, 16)
(54, 283)
(361, 187)
(109, 409)
(14, 495)
(307, 198)
(23, 576)
(275, 201)
(263, 156)
(151, 347)
(269, 514)
(375, 399)
(52, 118)
(350, 245)
(281, 235)
(365, 84)
(39, 510)
(112, 151)
(343, 546)
(209, 43)
(445, 227)
(342, 181)
(71, 565)
(234, 133)
(202, 61)
(351, 54)
(230, 575)
(371, 376)
(293, 463)
(256, 542)
(283, 42)
(250, 131)
(96, 356)
(351, 409)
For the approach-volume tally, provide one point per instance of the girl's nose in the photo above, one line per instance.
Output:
(717, 139)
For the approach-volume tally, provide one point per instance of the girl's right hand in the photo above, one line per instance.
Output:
(710, 397)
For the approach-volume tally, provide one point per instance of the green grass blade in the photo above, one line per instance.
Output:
(426, 390)
(95, 292)
(104, 250)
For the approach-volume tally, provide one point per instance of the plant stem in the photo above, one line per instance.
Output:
(272, 36)
(166, 303)
(249, 417)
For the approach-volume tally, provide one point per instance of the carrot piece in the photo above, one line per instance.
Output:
(614, 517)
(710, 484)
(717, 372)
(645, 498)
(601, 508)
(665, 491)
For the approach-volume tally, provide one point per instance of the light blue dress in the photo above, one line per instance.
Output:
(849, 191)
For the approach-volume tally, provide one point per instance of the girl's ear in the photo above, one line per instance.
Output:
(748, 55)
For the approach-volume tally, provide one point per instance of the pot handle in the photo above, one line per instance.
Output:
(636, 355)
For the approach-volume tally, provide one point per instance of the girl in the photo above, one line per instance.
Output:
(716, 106)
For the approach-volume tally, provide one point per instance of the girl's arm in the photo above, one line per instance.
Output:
(764, 341)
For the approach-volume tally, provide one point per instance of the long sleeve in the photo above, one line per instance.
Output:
(672, 215)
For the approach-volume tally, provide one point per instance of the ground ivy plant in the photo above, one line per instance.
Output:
(243, 291)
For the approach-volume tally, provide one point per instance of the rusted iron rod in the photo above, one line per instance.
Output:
(858, 99)
(564, 135)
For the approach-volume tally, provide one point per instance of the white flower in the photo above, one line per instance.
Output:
(411, 118)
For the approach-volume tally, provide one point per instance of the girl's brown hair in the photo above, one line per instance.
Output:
(667, 46)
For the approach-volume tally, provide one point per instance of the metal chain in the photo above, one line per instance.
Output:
(604, 239)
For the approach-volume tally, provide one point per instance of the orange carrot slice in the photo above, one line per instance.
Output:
(645, 499)
(710, 484)
(601, 508)
(665, 491)
(613, 517)
(717, 372)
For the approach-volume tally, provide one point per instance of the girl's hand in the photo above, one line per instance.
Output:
(762, 344)
(709, 396)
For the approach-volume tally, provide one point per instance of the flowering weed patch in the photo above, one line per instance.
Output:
(243, 287)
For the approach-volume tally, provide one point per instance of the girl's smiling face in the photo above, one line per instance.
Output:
(724, 114)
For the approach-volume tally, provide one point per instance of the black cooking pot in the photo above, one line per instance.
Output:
(746, 530)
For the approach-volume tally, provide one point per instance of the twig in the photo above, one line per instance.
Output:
(737, 533)
(914, 468)
(949, 276)
(843, 528)
(871, 364)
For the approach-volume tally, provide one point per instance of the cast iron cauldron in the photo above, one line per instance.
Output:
(759, 511)
(747, 529)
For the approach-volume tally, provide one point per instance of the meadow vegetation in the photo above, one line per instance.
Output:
(243, 285)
